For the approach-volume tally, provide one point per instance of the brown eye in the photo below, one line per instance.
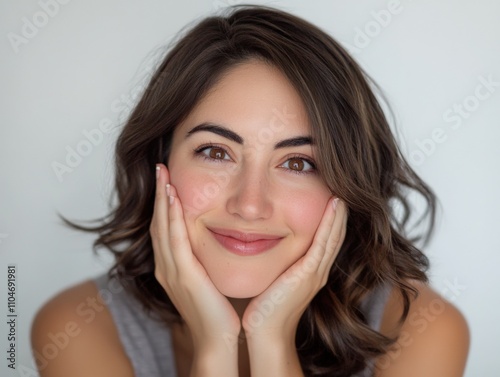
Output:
(299, 165)
(296, 164)
(213, 153)
(217, 153)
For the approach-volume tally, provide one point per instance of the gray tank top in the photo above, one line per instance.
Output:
(148, 343)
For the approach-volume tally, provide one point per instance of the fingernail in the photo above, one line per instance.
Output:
(335, 202)
(157, 171)
(168, 188)
(171, 199)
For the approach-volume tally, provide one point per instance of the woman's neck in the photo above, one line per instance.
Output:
(239, 304)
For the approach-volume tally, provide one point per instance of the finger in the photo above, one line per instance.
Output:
(179, 239)
(159, 223)
(336, 237)
(160, 204)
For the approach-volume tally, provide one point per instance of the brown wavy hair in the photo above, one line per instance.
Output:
(358, 159)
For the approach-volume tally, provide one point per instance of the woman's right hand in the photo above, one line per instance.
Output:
(209, 315)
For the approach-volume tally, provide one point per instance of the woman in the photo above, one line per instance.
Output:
(266, 243)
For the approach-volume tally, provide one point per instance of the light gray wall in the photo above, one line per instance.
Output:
(76, 70)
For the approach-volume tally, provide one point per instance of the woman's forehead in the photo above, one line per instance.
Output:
(252, 98)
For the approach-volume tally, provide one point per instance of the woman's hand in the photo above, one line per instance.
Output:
(208, 314)
(270, 320)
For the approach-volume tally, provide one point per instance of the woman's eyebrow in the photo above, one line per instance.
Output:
(233, 136)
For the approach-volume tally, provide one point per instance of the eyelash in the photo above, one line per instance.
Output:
(199, 153)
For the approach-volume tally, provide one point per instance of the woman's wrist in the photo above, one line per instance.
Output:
(214, 359)
(272, 355)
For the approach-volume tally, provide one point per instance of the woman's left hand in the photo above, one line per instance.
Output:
(273, 316)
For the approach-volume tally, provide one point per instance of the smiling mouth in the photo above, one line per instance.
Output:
(245, 244)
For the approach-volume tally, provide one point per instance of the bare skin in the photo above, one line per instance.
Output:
(97, 350)
(270, 188)
(271, 346)
(442, 342)
(262, 191)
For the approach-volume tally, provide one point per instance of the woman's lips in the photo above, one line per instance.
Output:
(245, 244)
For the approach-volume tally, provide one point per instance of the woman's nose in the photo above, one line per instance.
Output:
(249, 196)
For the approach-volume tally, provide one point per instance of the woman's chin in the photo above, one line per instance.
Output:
(239, 294)
(241, 289)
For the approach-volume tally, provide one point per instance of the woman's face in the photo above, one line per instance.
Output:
(242, 163)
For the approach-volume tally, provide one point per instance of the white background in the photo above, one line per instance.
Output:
(79, 69)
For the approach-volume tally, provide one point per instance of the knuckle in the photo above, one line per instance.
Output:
(159, 276)
(153, 229)
(334, 243)
(323, 281)
(322, 242)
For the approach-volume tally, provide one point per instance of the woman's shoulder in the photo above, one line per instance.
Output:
(433, 340)
(74, 334)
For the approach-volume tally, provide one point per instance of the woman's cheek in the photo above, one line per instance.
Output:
(196, 192)
(305, 213)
